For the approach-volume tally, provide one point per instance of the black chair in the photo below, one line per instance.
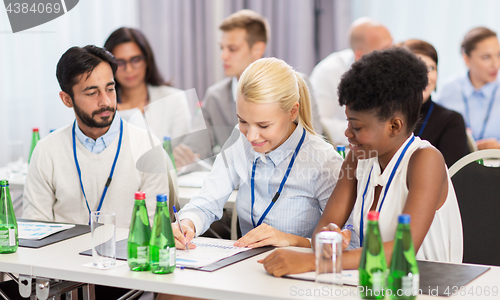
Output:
(478, 193)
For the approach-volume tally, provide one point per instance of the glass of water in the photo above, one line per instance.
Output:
(329, 258)
(103, 226)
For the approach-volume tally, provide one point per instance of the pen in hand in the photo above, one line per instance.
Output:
(179, 224)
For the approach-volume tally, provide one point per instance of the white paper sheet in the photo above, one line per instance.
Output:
(38, 231)
(207, 252)
(349, 277)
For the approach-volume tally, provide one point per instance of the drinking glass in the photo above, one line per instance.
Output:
(103, 226)
(329, 258)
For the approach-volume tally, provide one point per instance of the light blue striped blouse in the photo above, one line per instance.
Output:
(474, 105)
(300, 205)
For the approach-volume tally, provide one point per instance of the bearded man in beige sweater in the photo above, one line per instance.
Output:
(99, 161)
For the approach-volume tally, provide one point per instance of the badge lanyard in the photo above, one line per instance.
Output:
(429, 112)
(488, 112)
(108, 182)
(283, 181)
(385, 191)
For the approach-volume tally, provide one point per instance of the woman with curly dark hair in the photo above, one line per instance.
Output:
(388, 169)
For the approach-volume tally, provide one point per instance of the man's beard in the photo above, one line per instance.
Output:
(89, 121)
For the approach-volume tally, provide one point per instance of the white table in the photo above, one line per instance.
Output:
(244, 280)
(16, 181)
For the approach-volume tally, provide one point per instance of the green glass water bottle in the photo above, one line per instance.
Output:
(372, 267)
(403, 279)
(139, 235)
(162, 244)
(167, 145)
(9, 240)
(341, 150)
(35, 137)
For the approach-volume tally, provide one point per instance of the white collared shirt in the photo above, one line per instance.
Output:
(325, 79)
(303, 198)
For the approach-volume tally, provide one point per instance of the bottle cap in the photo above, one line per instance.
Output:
(167, 138)
(140, 195)
(373, 216)
(4, 182)
(404, 219)
(340, 147)
(35, 129)
(161, 198)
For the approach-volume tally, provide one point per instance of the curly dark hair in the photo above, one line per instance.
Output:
(386, 82)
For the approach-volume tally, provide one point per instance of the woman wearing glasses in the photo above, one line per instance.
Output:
(141, 88)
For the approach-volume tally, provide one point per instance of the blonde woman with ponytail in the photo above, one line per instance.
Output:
(285, 173)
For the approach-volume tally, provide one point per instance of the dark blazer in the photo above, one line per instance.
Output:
(445, 130)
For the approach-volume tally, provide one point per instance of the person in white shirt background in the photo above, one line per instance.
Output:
(285, 172)
(365, 35)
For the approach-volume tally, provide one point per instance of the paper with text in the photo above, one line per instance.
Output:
(38, 231)
(349, 277)
(207, 251)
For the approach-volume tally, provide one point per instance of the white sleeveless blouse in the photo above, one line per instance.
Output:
(443, 242)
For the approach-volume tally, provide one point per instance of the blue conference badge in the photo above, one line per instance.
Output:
(26, 14)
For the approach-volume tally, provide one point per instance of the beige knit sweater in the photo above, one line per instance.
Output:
(52, 191)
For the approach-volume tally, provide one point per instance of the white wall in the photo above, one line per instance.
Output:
(28, 85)
(443, 23)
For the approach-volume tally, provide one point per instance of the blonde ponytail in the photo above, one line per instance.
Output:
(304, 104)
(270, 80)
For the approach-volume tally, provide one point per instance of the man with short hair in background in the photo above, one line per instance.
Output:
(365, 35)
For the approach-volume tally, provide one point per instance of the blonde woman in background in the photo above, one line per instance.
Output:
(284, 172)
